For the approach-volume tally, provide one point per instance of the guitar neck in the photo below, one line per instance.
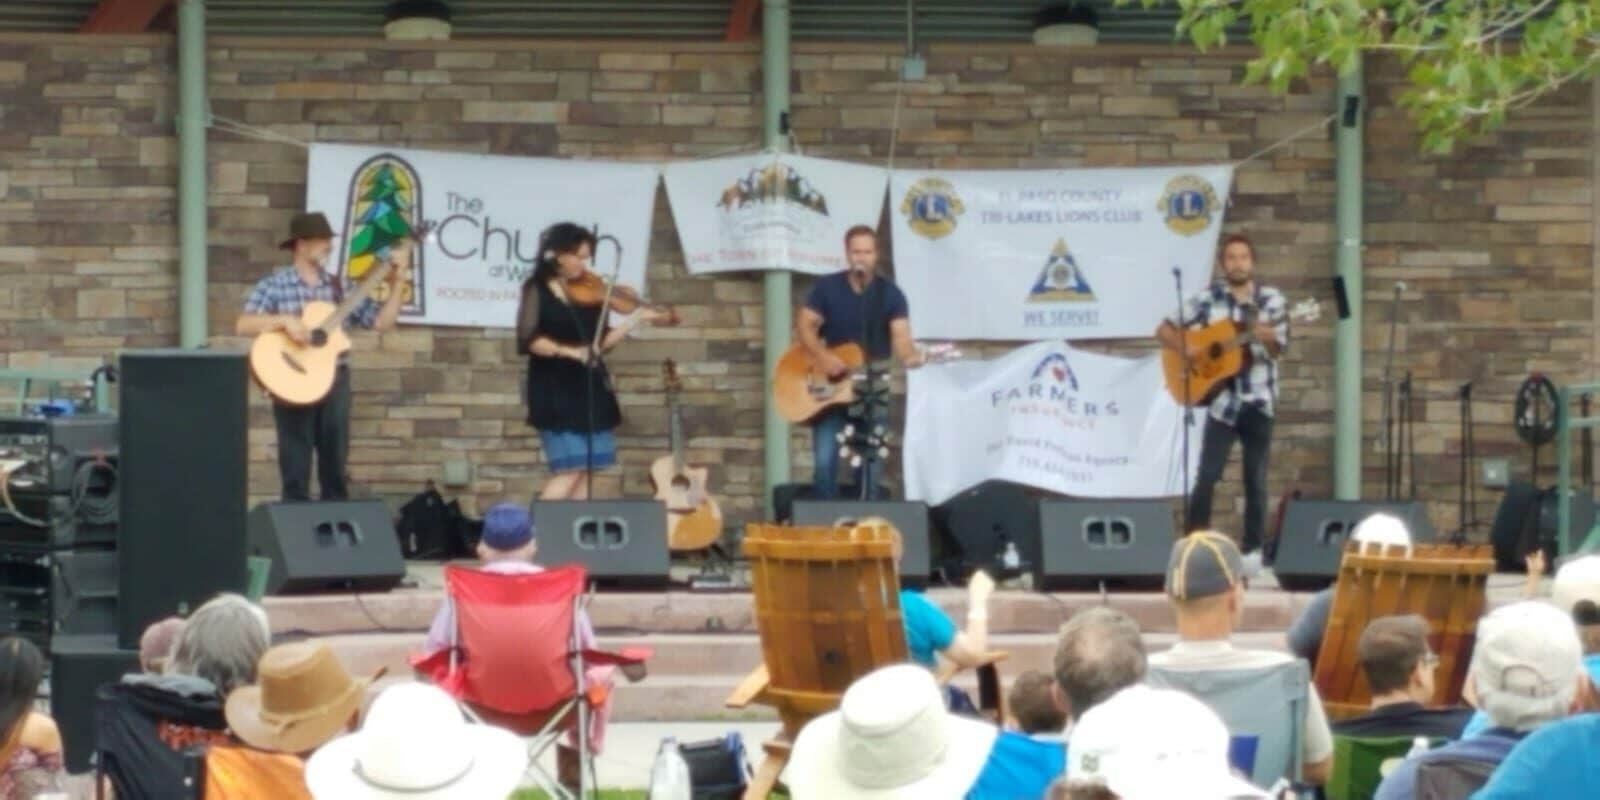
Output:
(356, 297)
(675, 433)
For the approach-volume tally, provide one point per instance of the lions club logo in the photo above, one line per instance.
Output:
(1061, 280)
(932, 207)
(1188, 202)
(1056, 367)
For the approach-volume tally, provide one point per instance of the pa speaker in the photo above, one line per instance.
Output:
(1087, 542)
(974, 529)
(620, 542)
(1315, 531)
(785, 495)
(911, 519)
(347, 545)
(79, 665)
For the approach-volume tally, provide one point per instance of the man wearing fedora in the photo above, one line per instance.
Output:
(275, 305)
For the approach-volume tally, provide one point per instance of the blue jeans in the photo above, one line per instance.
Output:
(825, 430)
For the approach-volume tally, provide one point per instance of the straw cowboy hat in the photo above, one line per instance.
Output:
(303, 699)
(891, 739)
(415, 745)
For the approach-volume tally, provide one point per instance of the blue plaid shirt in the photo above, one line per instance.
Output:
(1258, 385)
(282, 292)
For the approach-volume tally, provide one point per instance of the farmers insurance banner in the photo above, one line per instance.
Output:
(487, 213)
(770, 211)
(1052, 254)
(1048, 416)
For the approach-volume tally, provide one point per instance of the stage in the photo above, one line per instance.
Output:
(705, 642)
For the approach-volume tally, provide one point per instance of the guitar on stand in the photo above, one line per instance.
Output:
(694, 520)
(1217, 353)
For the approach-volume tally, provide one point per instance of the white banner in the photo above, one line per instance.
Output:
(1053, 254)
(770, 211)
(487, 213)
(1047, 416)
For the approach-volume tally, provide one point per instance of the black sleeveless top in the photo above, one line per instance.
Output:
(557, 400)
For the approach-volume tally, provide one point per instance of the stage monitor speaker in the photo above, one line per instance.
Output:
(79, 666)
(973, 528)
(911, 519)
(1089, 542)
(183, 482)
(620, 542)
(346, 545)
(785, 495)
(1315, 531)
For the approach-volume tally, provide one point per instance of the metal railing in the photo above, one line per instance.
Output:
(53, 380)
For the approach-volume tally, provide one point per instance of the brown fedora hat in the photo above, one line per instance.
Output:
(303, 699)
(310, 225)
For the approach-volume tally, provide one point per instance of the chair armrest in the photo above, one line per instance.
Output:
(626, 656)
(750, 689)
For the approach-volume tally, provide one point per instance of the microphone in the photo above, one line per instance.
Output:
(1399, 286)
(1177, 271)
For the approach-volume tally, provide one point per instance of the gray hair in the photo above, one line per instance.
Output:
(1100, 652)
(222, 642)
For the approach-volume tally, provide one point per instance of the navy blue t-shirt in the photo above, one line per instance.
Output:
(844, 312)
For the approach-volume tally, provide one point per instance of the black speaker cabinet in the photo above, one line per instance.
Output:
(79, 665)
(1087, 542)
(347, 545)
(1315, 531)
(183, 482)
(48, 593)
(620, 542)
(973, 529)
(911, 519)
(785, 495)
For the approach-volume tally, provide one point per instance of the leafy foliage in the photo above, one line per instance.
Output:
(1469, 62)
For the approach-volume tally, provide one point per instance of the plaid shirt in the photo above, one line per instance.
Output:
(1258, 385)
(282, 292)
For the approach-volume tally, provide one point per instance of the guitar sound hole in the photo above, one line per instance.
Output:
(319, 337)
(1215, 351)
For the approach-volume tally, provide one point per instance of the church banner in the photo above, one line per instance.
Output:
(483, 215)
(770, 211)
(1053, 254)
(1048, 416)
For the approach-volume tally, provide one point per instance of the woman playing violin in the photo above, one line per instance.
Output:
(570, 400)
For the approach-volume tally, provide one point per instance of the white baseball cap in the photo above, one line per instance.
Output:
(891, 739)
(1526, 664)
(1576, 581)
(1155, 744)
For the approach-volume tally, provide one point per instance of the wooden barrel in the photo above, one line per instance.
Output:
(828, 610)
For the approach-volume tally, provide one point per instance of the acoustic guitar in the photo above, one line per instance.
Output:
(1219, 351)
(694, 520)
(298, 374)
(802, 391)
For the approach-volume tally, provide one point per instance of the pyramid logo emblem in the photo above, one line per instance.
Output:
(1061, 280)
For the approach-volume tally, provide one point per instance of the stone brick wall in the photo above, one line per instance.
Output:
(1495, 242)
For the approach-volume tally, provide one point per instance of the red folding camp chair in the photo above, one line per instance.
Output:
(515, 660)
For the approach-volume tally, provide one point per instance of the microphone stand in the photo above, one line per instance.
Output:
(1467, 499)
(867, 443)
(1188, 410)
(1391, 466)
(594, 362)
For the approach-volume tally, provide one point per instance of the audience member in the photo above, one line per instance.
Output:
(508, 547)
(893, 737)
(1399, 667)
(1099, 653)
(929, 631)
(415, 743)
(145, 723)
(1033, 707)
(1152, 744)
(1305, 633)
(303, 700)
(1526, 672)
(1207, 595)
(155, 645)
(1556, 762)
(30, 759)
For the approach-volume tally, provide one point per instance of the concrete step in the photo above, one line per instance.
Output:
(692, 674)
(682, 612)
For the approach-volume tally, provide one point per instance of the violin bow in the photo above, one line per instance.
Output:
(605, 302)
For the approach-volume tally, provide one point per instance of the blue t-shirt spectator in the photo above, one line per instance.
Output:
(1020, 767)
(1555, 762)
(844, 312)
(1489, 747)
(1480, 720)
(928, 630)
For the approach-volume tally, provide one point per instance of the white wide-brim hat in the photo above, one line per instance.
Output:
(415, 745)
(891, 739)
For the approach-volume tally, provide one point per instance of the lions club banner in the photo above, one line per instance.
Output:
(770, 211)
(1048, 416)
(483, 216)
(1053, 254)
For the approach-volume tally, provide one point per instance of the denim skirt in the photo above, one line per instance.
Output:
(565, 450)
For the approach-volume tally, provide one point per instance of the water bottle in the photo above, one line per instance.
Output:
(1011, 559)
(669, 777)
(1419, 745)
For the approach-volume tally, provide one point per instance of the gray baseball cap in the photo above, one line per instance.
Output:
(1203, 564)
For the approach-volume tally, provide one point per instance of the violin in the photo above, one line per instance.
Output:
(589, 289)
